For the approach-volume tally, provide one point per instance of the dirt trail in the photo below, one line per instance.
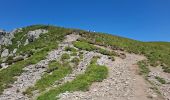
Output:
(123, 83)
(34, 72)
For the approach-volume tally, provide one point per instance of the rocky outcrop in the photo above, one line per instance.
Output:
(32, 35)
(6, 37)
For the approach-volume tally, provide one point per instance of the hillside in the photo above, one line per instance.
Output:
(42, 62)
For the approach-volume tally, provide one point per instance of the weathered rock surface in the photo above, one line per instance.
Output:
(6, 37)
(5, 53)
(32, 35)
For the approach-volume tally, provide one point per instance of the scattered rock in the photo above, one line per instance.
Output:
(119, 85)
(5, 53)
(18, 58)
(122, 55)
(4, 65)
(26, 42)
(14, 51)
(32, 73)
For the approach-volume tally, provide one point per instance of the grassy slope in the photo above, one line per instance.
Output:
(156, 52)
(55, 71)
(55, 34)
(83, 45)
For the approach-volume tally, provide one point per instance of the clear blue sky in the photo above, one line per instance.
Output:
(146, 20)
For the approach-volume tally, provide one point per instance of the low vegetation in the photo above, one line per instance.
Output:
(166, 69)
(75, 60)
(143, 68)
(65, 56)
(161, 80)
(157, 52)
(41, 47)
(89, 47)
(7, 75)
(70, 49)
(58, 71)
(94, 73)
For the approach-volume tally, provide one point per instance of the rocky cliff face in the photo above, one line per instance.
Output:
(5, 37)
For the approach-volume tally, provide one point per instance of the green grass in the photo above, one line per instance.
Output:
(7, 75)
(94, 73)
(161, 80)
(83, 45)
(156, 52)
(80, 55)
(65, 56)
(41, 47)
(166, 69)
(73, 54)
(75, 60)
(58, 72)
(70, 49)
(143, 68)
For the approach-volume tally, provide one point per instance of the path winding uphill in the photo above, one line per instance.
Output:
(34, 72)
(122, 83)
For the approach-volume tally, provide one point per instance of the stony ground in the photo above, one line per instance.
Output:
(122, 83)
(87, 56)
(163, 88)
(34, 72)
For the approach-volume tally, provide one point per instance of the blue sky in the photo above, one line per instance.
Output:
(146, 20)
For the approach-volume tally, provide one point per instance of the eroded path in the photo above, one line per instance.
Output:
(123, 83)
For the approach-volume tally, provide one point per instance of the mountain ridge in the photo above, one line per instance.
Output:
(36, 53)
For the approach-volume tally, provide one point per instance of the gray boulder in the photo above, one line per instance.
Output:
(32, 35)
(14, 51)
(6, 37)
(5, 53)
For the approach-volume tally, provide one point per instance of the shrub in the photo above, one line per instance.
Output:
(75, 60)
